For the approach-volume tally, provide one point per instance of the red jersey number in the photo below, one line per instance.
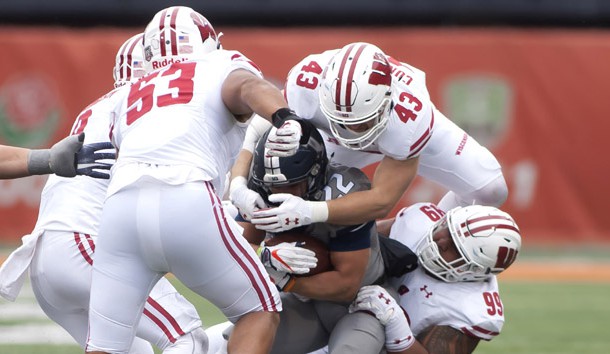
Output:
(493, 302)
(405, 114)
(141, 97)
(309, 81)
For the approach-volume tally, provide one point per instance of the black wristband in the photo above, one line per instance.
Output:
(283, 114)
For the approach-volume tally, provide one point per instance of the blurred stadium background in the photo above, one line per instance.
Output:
(530, 79)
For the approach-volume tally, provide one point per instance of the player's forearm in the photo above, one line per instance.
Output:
(241, 167)
(13, 162)
(263, 98)
(358, 208)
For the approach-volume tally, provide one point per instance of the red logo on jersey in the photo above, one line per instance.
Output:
(425, 289)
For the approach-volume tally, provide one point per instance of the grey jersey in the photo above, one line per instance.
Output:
(341, 181)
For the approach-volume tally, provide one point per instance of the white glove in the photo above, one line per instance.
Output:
(285, 140)
(376, 300)
(245, 199)
(282, 280)
(293, 212)
(287, 257)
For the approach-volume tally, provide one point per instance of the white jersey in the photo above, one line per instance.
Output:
(411, 120)
(474, 308)
(447, 154)
(187, 132)
(75, 204)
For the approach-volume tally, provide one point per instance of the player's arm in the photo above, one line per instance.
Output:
(13, 162)
(447, 340)
(390, 181)
(340, 284)
(61, 159)
(245, 93)
(384, 226)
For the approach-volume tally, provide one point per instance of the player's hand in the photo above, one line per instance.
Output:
(287, 257)
(282, 280)
(246, 200)
(293, 212)
(285, 140)
(377, 301)
(95, 160)
(62, 158)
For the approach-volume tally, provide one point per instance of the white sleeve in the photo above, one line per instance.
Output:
(257, 128)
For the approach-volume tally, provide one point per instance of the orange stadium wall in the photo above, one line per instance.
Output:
(539, 99)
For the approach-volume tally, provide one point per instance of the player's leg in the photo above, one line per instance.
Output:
(208, 254)
(300, 330)
(171, 323)
(459, 163)
(122, 278)
(60, 275)
(357, 332)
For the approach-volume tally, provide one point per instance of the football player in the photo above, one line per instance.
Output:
(177, 131)
(451, 301)
(315, 307)
(372, 108)
(60, 250)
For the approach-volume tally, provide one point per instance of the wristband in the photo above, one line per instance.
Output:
(319, 212)
(39, 162)
(281, 115)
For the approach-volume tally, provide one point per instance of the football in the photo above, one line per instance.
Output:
(308, 242)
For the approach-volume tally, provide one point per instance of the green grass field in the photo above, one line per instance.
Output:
(541, 318)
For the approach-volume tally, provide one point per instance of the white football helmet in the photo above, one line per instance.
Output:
(129, 64)
(487, 239)
(355, 90)
(175, 34)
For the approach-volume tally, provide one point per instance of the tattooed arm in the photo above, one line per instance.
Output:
(446, 340)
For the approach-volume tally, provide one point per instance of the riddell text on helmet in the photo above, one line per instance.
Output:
(156, 64)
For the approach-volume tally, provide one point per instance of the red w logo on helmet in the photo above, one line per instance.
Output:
(205, 29)
(506, 257)
(381, 73)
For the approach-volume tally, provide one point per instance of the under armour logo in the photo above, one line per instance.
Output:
(382, 297)
(425, 289)
(295, 221)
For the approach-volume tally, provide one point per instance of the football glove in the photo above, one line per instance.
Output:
(282, 280)
(377, 301)
(95, 160)
(245, 199)
(287, 257)
(293, 212)
(284, 141)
